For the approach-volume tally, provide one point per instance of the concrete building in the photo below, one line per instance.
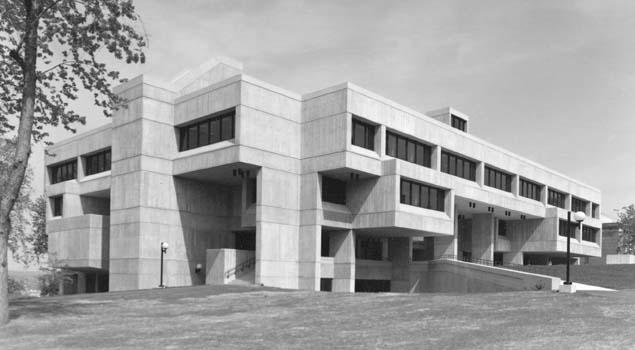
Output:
(339, 189)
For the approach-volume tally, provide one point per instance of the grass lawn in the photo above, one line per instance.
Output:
(232, 317)
(609, 276)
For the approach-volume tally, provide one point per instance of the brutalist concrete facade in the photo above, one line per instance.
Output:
(266, 182)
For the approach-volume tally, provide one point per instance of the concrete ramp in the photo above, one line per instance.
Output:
(462, 277)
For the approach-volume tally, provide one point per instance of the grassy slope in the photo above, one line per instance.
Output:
(242, 317)
(609, 276)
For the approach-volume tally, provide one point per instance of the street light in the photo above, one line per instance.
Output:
(578, 217)
(164, 249)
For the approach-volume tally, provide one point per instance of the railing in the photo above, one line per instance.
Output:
(483, 262)
(246, 265)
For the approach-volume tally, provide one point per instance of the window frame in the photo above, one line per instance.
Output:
(422, 152)
(330, 192)
(524, 187)
(429, 197)
(449, 161)
(501, 180)
(213, 128)
(63, 171)
(554, 197)
(57, 206)
(102, 160)
(458, 123)
(368, 134)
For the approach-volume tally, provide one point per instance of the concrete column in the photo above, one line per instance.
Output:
(81, 282)
(342, 245)
(567, 202)
(543, 194)
(71, 205)
(385, 254)
(515, 185)
(400, 250)
(480, 174)
(483, 231)
(435, 158)
(380, 140)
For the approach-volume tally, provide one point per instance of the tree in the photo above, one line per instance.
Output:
(19, 230)
(38, 239)
(50, 50)
(626, 221)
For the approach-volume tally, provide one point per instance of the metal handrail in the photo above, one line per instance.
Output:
(247, 264)
(478, 261)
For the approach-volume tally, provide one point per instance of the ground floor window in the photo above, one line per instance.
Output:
(498, 259)
(245, 240)
(372, 286)
(368, 248)
(326, 284)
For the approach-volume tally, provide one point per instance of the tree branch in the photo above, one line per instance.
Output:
(17, 58)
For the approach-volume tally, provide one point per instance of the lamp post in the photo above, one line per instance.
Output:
(578, 217)
(164, 249)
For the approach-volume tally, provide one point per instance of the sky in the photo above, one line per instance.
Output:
(553, 81)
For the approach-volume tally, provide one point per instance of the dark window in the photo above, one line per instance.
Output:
(530, 189)
(458, 123)
(252, 190)
(449, 165)
(556, 198)
(333, 190)
(211, 130)
(498, 179)
(498, 259)
(407, 149)
(57, 206)
(363, 135)
(578, 204)
(245, 240)
(372, 286)
(326, 284)
(63, 172)
(420, 195)
(562, 228)
(97, 162)
(502, 228)
(368, 248)
(589, 234)
(325, 244)
(595, 210)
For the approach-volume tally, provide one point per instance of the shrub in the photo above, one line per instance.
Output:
(16, 287)
(50, 283)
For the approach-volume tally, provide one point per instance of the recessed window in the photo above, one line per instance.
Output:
(589, 234)
(459, 123)
(368, 248)
(530, 189)
(498, 179)
(64, 171)
(57, 206)
(216, 128)
(252, 191)
(578, 204)
(556, 198)
(458, 166)
(562, 228)
(423, 196)
(407, 149)
(502, 228)
(595, 210)
(363, 134)
(97, 162)
(333, 190)
(326, 244)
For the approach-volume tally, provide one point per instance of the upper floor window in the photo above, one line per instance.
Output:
(502, 228)
(562, 228)
(97, 162)
(407, 149)
(578, 204)
(458, 166)
(459, 123)
(211, 130)
(530, 189)
(420, 195)
(498, 179)
(595, 210)
(57, 206)
(64, 171)
(363, 134)
(556, 198)
(589, 234)
(333, 190)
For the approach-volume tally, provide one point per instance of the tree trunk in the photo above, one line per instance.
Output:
(11, 189)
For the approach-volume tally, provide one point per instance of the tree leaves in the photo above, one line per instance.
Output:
(73, 38)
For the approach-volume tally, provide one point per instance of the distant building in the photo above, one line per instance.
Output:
(339, 189)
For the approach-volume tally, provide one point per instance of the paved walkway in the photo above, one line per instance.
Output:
(588, 287)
